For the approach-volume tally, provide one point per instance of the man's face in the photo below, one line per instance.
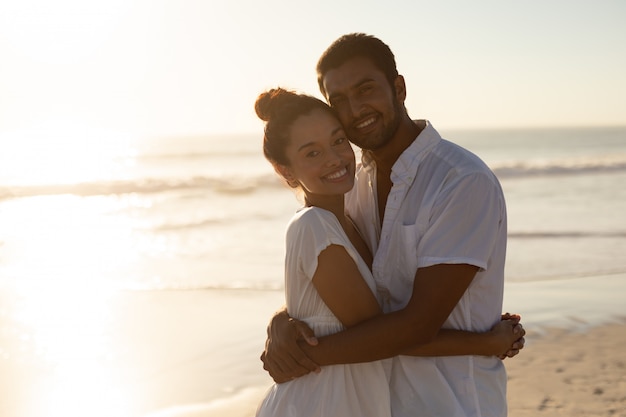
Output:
(368, 107)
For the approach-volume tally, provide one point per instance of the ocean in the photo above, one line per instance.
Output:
(209, 212)
(206, 215)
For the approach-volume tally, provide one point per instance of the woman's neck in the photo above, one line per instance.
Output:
(333, 203)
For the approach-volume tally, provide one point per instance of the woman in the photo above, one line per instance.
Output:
(328, 282)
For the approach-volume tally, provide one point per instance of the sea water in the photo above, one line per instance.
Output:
(209, 212)
(207, 215)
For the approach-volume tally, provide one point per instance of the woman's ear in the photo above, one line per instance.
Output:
(285, 172)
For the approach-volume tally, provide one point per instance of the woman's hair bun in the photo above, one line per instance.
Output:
(271, 101)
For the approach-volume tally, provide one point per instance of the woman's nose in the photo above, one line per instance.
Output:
(333, 159)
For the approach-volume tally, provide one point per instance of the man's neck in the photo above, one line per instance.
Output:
(387, 156)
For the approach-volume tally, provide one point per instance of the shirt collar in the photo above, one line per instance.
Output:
(404, 169)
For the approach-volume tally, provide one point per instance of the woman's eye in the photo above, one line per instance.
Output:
(340, 141)
(335, 101)
(312, 154)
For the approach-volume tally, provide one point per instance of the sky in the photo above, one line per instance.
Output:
(159, 68)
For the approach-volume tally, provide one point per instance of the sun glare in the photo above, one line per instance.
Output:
(60, 31)
(60, 152)
(60, 265)
(75, 239)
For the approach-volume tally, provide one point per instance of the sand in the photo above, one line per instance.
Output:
(570, 373)
(196, 354)
(561, 372)
(564, 373)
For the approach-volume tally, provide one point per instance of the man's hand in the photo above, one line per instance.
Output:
(282, 357)
(519, 343)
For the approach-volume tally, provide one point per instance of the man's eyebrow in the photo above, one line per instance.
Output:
(363, 81)
(355, 85)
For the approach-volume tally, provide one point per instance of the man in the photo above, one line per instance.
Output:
(434, 217)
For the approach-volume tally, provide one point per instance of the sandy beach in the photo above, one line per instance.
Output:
(570, 373)
(560, 373)
(195, 353)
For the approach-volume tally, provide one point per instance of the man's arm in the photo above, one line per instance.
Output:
(436, 291)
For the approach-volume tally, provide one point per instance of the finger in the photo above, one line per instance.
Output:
(305, 363)
(520, 333)
(276, 368)
(508, 316)
(282, 371)
(512, 352)
(305, 332)
(286, 367)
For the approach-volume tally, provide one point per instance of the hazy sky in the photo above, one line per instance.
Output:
(187, 67)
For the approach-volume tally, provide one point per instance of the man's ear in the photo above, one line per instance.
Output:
(400, 88)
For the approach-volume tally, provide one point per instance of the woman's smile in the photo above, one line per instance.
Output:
(337, 175)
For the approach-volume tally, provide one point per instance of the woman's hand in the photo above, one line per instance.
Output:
(509, 333)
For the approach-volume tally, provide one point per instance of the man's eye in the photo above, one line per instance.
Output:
(312, 154)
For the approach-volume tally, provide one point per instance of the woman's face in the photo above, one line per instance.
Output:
(320, 156)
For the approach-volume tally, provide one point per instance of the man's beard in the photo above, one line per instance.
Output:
(388, 132)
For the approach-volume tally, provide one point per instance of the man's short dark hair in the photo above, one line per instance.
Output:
(356, 45)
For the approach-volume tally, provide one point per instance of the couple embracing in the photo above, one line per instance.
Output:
(394, 270)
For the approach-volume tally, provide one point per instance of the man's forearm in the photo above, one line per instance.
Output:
(378, 338)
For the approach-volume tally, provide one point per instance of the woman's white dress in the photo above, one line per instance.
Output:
(352, 390)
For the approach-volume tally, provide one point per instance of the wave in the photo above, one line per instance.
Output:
(146, 186)
(248, 185)
(553, 168)
(567, 235)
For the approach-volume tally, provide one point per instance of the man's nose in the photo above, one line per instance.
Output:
(356, 107)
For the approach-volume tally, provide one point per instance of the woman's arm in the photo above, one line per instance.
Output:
(340, 284)
(503, 337)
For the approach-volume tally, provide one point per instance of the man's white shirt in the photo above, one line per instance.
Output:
(445, 207)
